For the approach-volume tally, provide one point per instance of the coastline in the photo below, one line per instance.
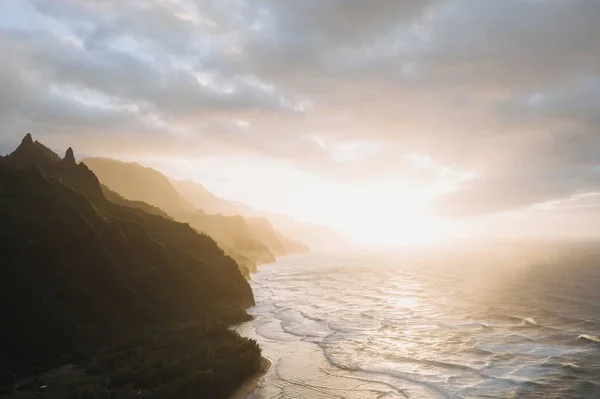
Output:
(248, 388)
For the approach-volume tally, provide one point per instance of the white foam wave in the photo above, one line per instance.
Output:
(589, 337)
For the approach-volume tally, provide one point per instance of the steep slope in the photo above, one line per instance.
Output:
(120, 200)
(296, 234)
(32, 153)
(80, 272)
(135, 182)
(201, 198)
(278, 243)
(260, 225)
(236, 237)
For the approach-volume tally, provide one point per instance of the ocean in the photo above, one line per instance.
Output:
(492, 323)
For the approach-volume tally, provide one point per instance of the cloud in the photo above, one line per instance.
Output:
(507, 91)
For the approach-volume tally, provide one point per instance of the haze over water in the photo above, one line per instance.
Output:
(439, 323)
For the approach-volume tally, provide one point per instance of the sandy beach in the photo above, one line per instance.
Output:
(299, 369)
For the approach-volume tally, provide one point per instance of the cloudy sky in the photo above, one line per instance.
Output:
(410, 118)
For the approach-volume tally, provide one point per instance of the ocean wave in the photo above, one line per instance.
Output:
(503, 317)
(409, 377)
(273, 330)
(435, 363)
(296, 323)
(475, 325)
(313, 318)
(571, 366)
(573, 369)
(590, 338)
(370, 315)
(513, 380)
(566, 368)
(456, 346)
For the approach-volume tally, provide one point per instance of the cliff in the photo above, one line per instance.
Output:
(295, 236)
(251, 244)
(80, 273)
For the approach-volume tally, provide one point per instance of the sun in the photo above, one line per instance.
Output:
(396, 227)
(389, 215)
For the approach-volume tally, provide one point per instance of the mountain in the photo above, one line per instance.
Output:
(235, 236)
(259, 223)
(278, 243)
(134, 181)
(133, 303)
(201, 198)
(250, 246)
(307, 235)
(316, 236)
(32, 153)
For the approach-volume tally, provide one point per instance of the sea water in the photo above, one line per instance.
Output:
(428, 324)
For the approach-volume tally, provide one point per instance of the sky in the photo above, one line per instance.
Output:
(392, 121)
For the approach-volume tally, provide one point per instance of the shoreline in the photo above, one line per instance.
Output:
(248, 388)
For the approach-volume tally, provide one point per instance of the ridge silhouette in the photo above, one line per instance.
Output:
(249, 242)
(81, 275)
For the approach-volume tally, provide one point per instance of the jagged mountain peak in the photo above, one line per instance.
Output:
(69, 156)
(31, 153)
(81, 273)
(27, 140)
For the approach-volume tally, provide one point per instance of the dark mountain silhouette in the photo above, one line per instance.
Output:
(32, 153)
(84, 278)
(250, 244)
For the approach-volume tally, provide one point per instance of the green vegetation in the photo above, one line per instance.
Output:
(181, 362)
(137, 302)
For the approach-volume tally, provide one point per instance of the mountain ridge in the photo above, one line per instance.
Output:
(313, 236)
(80, 274)
(250, 244)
